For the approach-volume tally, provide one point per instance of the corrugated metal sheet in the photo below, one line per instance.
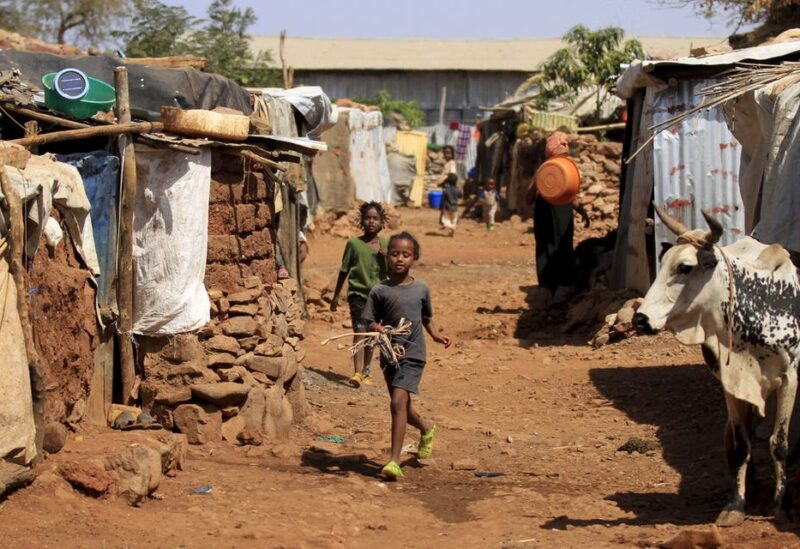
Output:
(416, 143)
(695, 164)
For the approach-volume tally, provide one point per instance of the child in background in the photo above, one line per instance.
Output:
(363, 266)
(401, 296)
(488, 198)
(450, 195)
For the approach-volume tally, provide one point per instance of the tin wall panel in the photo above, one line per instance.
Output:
(695, 165)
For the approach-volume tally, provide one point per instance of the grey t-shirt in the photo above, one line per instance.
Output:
(387, 304)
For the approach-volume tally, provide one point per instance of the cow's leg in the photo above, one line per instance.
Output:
(778, 442)
(737, 443)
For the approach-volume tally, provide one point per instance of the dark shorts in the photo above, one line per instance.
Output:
(406, 375)
(357, 303)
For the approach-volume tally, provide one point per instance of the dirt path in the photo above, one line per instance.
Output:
(548, 415)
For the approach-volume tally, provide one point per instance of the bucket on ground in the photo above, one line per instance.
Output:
(435, 199)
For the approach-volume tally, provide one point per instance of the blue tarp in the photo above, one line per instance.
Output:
(100, 172)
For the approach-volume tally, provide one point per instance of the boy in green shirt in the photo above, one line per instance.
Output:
(363, 266)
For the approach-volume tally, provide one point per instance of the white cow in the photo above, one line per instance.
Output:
(741, 303)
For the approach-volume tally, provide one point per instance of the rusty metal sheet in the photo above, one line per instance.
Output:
(695, 165)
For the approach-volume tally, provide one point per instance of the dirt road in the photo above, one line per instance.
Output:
(548, 412)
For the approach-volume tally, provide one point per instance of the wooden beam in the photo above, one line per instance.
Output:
(253, 157)
(614, 126)
(173, 62)
(44, 117)
(123, 128)
(16, 237)
(125, 252)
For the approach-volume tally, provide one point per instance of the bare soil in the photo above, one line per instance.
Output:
(548, 413)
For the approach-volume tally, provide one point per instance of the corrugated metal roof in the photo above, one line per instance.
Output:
(523, 55)
(695, 165)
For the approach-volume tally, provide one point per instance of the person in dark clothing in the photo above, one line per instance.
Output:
(450, 196)
(553, 230)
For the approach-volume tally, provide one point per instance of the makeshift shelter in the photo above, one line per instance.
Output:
(205, 303)
(692, 165)
(355, 166)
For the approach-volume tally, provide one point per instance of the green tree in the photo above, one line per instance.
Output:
(589, 63)
(156, 30)
(409, 110)
(80, 22)
(224, 42)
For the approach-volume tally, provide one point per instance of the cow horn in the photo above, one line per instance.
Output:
(716, 228)
(672, 224)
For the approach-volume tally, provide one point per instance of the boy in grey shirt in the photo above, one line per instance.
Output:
(402, 296)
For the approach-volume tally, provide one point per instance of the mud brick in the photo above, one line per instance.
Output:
(224, 218)
(225, 192)
(257, 245)
(256, 187)
(224, 277)
(222, 249)
(263, 217)
(265, 270)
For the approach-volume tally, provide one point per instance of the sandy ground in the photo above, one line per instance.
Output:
(548, 413)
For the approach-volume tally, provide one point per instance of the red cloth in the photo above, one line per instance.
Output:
(557, 144)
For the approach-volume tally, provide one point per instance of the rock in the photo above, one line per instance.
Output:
(224, 306)
(692, 539)
(280, 327)
(249, 343)
(173, 395)
(86, 477)
(262, 379)
(278, 415)
(13, 476)
(253, 409)
(465, 464)
(293, 342)
(221, 360)
(272, 367)
(239, 326)
(77, 412)
(249, 309)
(214, 295)
(313, 296)
(184, 348)
(232, 428)
(250, 437)
(200, 424)
(251, 282)
(273, 346)
(296, 393)
(192, 369)
(264, 328)
(610, 149)
(223, 344)
(245, 296)
(625, 314)
(595, 189)
(222, 394)
(601, 339)
(136, 471)
(284, 451)
(229, 412)
(55, 436)
(164, 416)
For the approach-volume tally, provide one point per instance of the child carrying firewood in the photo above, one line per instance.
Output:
(363, 266)
(402, 297)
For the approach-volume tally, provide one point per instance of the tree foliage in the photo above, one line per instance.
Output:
(589, 63)
(409, 110)
(744, 11)
(80, 22)
(156, 30)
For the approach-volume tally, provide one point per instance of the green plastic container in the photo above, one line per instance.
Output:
(101, 97)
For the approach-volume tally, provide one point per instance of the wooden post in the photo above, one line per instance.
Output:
(32, 130)
(16, 235)
(125, 251)
(442, 104)
(284, 71)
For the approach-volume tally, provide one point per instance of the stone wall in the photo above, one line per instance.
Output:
(240, 378)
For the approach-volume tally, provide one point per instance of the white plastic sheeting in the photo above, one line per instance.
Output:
(313, 105)
(695, 165)
(368, 164)
(170, 241)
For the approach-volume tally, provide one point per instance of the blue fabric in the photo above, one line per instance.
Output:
(100, 172)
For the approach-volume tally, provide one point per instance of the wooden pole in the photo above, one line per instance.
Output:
(284, 70)
(125, 252)
(442, 104)
(16, 235)
(123, 128)
(614, 126)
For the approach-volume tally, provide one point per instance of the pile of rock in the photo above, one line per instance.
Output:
(600, 166)
(346, 225)
(318, 291)
(241, 381)
(617, 326)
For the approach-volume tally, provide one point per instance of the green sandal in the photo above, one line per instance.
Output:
(391, 471)
(425, 448)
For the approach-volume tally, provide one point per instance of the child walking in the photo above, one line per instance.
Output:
(363, 266)
(450, 195)
(489, 197)
(401, 296)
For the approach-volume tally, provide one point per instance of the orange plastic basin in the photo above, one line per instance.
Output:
(558, 180)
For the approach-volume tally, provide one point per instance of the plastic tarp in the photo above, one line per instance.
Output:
(311, 103)
(774, 153)
(150, 87)
(17, 430)
(100, 172)
(368, 157)
(170, 221)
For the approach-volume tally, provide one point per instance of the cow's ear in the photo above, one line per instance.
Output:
(707, 259)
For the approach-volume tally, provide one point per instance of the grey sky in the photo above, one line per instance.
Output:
(495, 19)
